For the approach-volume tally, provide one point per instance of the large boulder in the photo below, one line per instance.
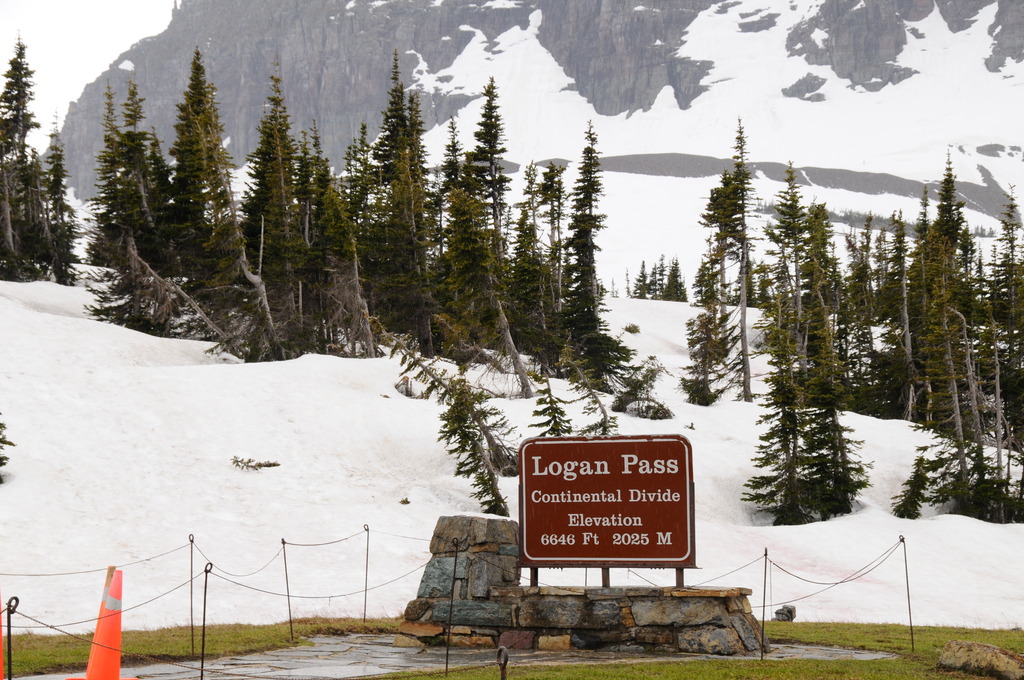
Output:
(982, 659)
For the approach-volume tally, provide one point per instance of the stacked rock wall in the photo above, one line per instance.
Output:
(490, 608)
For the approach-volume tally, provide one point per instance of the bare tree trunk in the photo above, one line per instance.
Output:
(972, 381)
(525, 386)
(352, 312)
(1000, 419)
(144, 198)
(584, 381)
(6, 220)
(271, 337)
(748, 394)
(800, 328)
(499, 456)
(555, 239)
(954, 396)
(908, 349)
(43, 219)
(170, 289)
(273, 341)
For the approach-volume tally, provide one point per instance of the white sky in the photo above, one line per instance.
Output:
(70, 42)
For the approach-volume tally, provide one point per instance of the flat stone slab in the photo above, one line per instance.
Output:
(352, 656)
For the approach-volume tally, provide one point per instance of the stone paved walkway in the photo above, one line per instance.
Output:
(355, 656)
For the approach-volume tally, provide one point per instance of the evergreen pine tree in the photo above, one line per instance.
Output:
(238, 295)
(589, 390)
(271, 223)
(907, 504)
(894, 389)
(726, 215)
(833, 475)
(349, 319)
(397, 220)
(1006, 297)
(200, 162)
(528, 277)
(787, 235)
(131, 239)
(469, 264)
(675, 284)
(447, 176)
(741, 195)
(409, 290)
(61, 216)
(636, 396)
(552, 206)
(858, 316)
(586, 332)
(656, 279)
(394, 128)
(28, 240)
(708, 341)
(641, 284)
(551, 410)
(961, 474)
(312, 183)
(782, 492)
(465, 441)
(225, 298)
(361, 190)
(474, 319)
(16, 117)
(485, 159)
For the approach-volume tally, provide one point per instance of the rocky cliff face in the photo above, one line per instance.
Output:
(335, 56)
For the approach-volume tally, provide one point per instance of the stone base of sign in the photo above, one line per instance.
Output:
(490, 609)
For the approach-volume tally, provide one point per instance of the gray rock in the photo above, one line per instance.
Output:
(993, 150)
(471, 532)
(473, 613)
(680, 611)
(785, 613)
(805, 88)
(437, 576)
(571, 613)
(748, 630)
(762, 23)
(416, 609)
(492, 570)
(710, 640)
(517, 639)
(335, 58)
(978, 658)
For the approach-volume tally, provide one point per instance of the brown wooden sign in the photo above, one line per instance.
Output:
(622, 501)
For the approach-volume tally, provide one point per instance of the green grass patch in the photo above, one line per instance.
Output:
(726, 669)
(882, 637)
(35, 654)
(917, 665)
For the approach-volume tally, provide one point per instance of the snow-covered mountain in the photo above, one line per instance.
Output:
(124, 445)
(867, 96)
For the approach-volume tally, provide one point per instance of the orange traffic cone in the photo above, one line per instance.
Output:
(105, 655)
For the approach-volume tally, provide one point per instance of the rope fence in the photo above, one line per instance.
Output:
(770, 567)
